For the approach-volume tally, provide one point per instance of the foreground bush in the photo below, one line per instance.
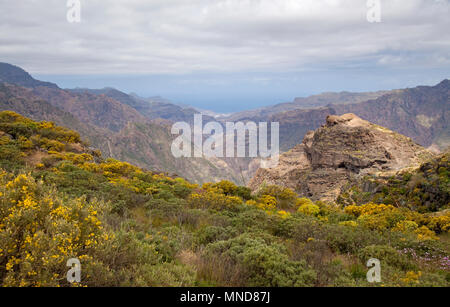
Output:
(40, 231)
(261, 263)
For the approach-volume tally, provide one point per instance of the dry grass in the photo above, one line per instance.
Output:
(188, 257)
(35, 158)
(214, 271)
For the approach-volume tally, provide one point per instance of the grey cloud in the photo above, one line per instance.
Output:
(175, 36)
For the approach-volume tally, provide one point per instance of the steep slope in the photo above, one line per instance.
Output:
(158, 107)
(16, 75)
(423, 189)
(117, 129)
(145, 142)
(151, 108)
(98, 100)
(98, 110)
(295, 124)
(422, 113)
(345, 148)
(109, 92)
(23, 101)
(133, 144)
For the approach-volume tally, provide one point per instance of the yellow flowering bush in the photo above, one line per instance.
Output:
(213, 199)
(440, 224)
(406, 226)
(39, 232)
(349, 223)
(228, 187)
(44, 143)
(72, 157)
(381, 217)
(24, 143)
(309, 209)
(368, 209)
(411, 278)
(303, 201)
(112, 167)
(185, 183)
(267, 203)
(4, 140)
(17, 125)
(283, 214)
(424, 233)
(285, 197)
(373, 222)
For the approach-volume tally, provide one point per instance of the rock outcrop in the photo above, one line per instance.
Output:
(341, 150)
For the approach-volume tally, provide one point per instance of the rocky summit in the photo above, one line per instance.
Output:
(340, 151)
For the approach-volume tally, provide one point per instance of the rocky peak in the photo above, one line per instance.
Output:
(341, 150)
(333, 120)
(350, 142)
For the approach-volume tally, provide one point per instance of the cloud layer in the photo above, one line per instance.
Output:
(222, 36)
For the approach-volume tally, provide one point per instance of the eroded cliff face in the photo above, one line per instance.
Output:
(338, 152)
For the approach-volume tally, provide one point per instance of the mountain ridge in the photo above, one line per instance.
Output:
(16, 75)
(422, 113)
(112, 126)
(345, 148)
(100, 115)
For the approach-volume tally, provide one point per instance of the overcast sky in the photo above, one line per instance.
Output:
(229, 54)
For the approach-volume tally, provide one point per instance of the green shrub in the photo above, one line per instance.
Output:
(263, 263)
(210, 234)
(387, 255)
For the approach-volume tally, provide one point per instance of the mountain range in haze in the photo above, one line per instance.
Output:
(137, 130)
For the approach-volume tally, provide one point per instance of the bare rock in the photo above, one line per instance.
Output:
(341, 150)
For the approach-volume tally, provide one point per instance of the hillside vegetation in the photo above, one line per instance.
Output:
(130, 227)
(426, 189)
(116, 129)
